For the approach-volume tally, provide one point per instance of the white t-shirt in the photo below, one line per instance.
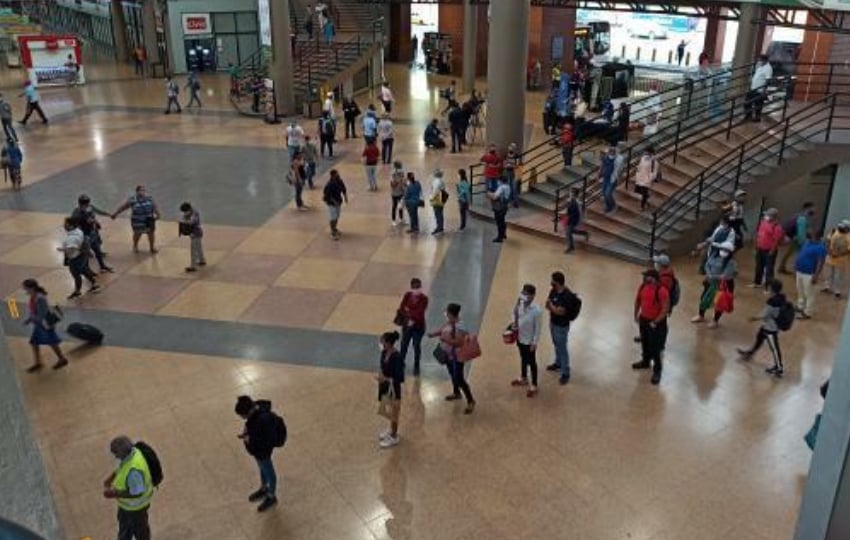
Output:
(760, 77)
(295, 136)
(385, 128)
(386, 93)
(73, 243)
(329, 107)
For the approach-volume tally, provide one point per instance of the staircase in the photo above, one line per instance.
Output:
(353, 17)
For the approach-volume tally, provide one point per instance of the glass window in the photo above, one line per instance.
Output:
(246, 21)
(224, 22)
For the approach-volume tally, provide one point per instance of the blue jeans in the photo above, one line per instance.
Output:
(510, 174)
(608, 188)
(415, 335)
(268, 478)
(311, 173)
(570, 243)
(371, 171)
(299, 187)
(438, 217)
(413, 213)
(492, 184)
(292, 151)
(560, 335)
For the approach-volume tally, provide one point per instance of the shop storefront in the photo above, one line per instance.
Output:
(209, 35)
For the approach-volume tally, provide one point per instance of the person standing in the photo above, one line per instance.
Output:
(397, 186)
(720, 271)
(370, 155)
(808, 266)
(86, 216)
(327, 133)
(499, 202)
(33, 105)
(557, 304)
(652, 306)
(624, 114)
(796, 230)
(76, 251)
(464, 196)
(311, 155)
(412, 310)
(297, 177)
(329, 31)
(12, 158)
(43, 326)
(385, 132)
(438, 200)
(139, 60)
(492, 168)
(452, 335)
(308, 22)
(567, 142)
(171, 93)
(370, 124)
(457, 126)
(769, 329)
(526, 322)
(350, 111)
(412, 201)
(194, 86)
(328, 106)
(607, 177)
(573, 220)
(190, 225)
(838, 258)
(131, 485)
(259, 436)
(647, 172)
(390, 378)
(387, 97)
(755, 99)
(334, 195)
(143, 217)
(6, 116)
(295, 138)
(509, 167)
(414, 49)
(769, 236)
(680, 51)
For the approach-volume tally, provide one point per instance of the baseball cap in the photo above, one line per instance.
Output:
(661, 260)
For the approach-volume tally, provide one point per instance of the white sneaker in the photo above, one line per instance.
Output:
(384, 434)
(389, 442)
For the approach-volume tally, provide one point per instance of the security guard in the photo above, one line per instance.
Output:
(132, 487)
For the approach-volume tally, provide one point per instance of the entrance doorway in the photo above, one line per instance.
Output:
(200, 54)
(423, 18)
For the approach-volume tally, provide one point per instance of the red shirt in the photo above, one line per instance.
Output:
(414, 306)
(371, 153)
(492, 165)
(567, 137)
(652, 299)
(667, 278)
(769, 234)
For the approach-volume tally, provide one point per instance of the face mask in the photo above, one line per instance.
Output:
(524, 298)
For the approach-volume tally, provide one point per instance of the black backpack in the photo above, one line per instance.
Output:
(790, 226)
(675, 293)
(328, 127)
(154, 466)
(573, 306)
(279, 431)
(787, 314)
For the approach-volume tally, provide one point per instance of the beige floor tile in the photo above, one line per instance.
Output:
(320, 273)
(38, 252)
(213, 300)
(32, 223)
(276, 242)
(171, 262)
(418, 251)
(348, 315)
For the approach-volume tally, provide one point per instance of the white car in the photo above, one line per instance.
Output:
(646, 29)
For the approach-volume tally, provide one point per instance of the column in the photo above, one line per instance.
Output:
(149, 34)
(823, 514)
(746, 43)
(506, 59)
(119, 32)
(470, 44)
(280, 70)
(715, 36)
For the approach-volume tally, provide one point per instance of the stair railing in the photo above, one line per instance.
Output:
(723, 177)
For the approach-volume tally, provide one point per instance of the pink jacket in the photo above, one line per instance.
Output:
(769, 235)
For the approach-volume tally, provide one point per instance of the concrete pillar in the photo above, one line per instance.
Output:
(470, 44)
(506, 58)
(119, 31)
(281, 68)
(823, 514)
(715, 37)
(399, 33)
(745, 45)
(149, 28)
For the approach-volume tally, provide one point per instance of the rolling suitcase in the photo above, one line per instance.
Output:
(86, 332)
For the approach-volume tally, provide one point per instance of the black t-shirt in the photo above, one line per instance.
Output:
(559, 299)
(392, 366)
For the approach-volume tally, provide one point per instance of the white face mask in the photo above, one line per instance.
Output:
(524, 298)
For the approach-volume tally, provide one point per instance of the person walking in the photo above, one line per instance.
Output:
(370, 124)
(11, 159)
(390, 378)
(311, 156)
(769, 236)
(499, 202)
(31, 93)
(769, 329)
(796, 229)
(387, 97)
(86, 216)
(260, 435)
(837, 259)
(334, 195)
(350, 111)
(370, 155)
(131, 485)
(411, 313)
(190, 225)
(329, 31)
(295, 138)
(76, 253)
(464, 196)
(492, 168)
(607, 177)
(566, 140)
(385, 132)
(143, 217)
(6, 117)
(438, 199)
(720, 272)
(452, 335)
(572, 220)
(327, 134)
(754, 101)
(297, 177)
(652, 306)
(559, 303)
(680, 52)
(397, 187)
(171, 93)
(647, 172)
(527, 320)
(809, 264)
(43, 322)
(412, 201)
(193, 83)
(510, 164)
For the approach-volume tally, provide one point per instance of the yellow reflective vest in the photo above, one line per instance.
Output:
(135, 461)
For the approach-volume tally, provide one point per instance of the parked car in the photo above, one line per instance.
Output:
(644, 28)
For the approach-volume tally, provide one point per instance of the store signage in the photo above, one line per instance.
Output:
(196, 23)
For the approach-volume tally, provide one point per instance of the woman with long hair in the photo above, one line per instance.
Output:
(43, 326)
(390, 377)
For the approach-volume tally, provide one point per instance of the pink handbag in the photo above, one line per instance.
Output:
(470, 350)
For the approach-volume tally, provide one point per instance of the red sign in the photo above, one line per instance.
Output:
(196, 24)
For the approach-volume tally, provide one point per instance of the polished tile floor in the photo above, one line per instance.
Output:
(285, 313)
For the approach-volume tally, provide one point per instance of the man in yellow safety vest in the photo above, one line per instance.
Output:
(132, 487)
